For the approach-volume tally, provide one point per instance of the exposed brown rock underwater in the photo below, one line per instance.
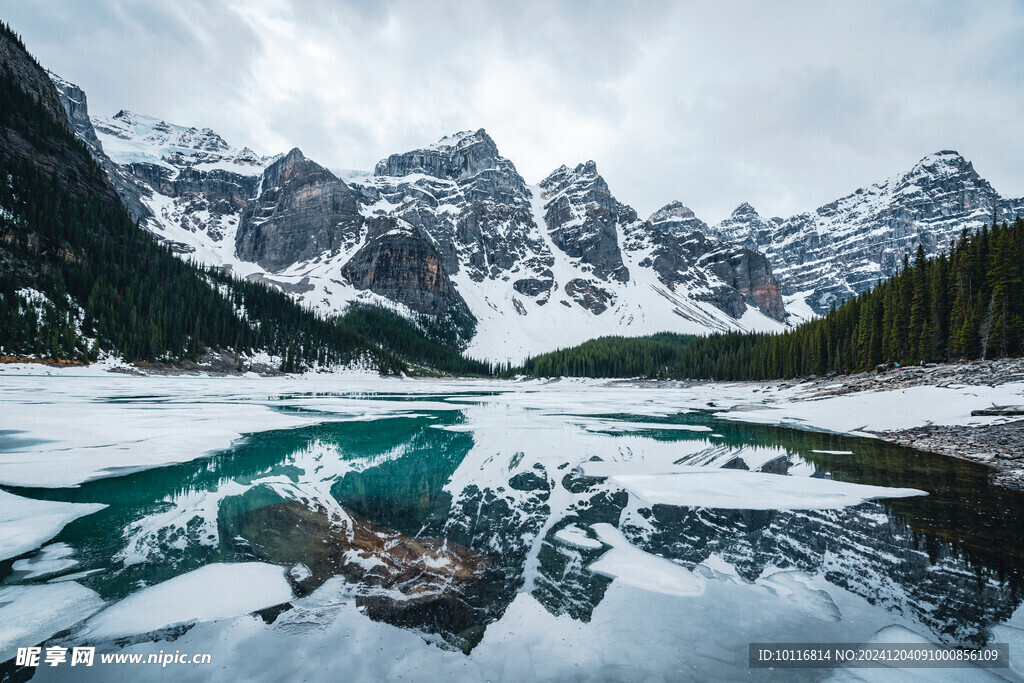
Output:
(420, 583)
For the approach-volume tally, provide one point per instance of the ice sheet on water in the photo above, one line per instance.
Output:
(794, 587)
(50, 560)
(26, 523)
(884, 410)
(897, 633)
(1012, 632)
(640, 569)
(741, 490)
(216, 591)
(577, 537)
(31, 614)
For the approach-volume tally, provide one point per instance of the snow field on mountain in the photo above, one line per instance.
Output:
(643, 306)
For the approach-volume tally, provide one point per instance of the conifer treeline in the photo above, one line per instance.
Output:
(964, 304)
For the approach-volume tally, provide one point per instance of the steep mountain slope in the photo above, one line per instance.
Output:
(79, 278)
(516, 250)
(846, 246)
(450, 231)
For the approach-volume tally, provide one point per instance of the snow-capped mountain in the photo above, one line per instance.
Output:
(846, 246)
(448, 230)
(131, 138)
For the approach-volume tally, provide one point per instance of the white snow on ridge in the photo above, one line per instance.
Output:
(129, 138)
(512, 327)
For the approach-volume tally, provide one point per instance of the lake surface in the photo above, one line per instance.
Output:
(484, 534)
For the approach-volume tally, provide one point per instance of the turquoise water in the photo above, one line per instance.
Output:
(950, 562)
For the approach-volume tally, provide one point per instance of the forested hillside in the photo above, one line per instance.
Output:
(966, 303)
(78, 277)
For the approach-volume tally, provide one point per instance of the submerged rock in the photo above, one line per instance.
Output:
(412, 582)
(296, 533)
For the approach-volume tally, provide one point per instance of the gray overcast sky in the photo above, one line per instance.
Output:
(787, 105)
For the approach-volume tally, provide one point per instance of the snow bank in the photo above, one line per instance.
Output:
(876, 411)
(25, 523)
(216, 591)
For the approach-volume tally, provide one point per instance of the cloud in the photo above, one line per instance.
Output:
(787, 105)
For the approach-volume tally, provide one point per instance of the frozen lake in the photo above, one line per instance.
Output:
(357, 527)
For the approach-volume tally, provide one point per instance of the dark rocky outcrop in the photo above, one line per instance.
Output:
(748, 273)
(583, 219)
(398, 263)
(303, 211)
(468, 200)
(299, 532)
(589, 295)
(727, 275)
(536, 286)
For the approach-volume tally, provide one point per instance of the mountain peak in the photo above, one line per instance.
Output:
(673, 211)
(463, 136)
(945, 162)
(744, 209)
(457, 155)
(939, 169)
(563, 176)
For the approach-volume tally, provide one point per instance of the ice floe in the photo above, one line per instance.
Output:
(26, 523)
(31, 614)
(50, 560)
(216, 591)
(640, 569)
(741, 490)
(577, 537)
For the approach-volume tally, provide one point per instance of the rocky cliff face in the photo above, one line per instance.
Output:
(185, 184)
(301, 212)
(584, 219)
(65, 162)
(846, 246)
(673, 242)
(129, 190)
(400, 264)
(468, 199)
